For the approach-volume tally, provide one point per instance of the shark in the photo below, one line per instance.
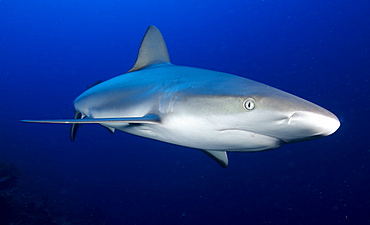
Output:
(211, 111)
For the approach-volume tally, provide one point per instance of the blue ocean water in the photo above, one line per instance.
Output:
(52, 50)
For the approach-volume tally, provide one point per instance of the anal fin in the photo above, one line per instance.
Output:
(219, 156)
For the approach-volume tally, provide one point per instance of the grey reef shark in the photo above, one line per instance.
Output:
(211, 111)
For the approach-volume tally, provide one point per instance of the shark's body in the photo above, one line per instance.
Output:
(207, 110)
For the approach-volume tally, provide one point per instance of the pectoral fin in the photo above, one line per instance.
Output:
(219, 156)
(74, 126)
(149, 118)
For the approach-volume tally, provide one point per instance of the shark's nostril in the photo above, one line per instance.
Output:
(303, 125)
(289, 120)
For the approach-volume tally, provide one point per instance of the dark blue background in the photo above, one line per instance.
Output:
(50, 51)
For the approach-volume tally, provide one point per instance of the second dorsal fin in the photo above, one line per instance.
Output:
(152, 50)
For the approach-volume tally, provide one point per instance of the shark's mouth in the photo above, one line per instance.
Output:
(248, 141)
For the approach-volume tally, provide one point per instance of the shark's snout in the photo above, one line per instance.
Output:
(311, 125)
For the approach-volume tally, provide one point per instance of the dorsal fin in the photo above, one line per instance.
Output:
(152, 50)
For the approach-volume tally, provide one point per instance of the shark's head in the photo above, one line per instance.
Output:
(244, 115)
(287, 117)
(274, 113)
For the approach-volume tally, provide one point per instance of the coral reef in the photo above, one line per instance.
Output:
(9, 175)
(18, 208)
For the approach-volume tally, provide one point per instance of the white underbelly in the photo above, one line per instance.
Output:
(201, 137)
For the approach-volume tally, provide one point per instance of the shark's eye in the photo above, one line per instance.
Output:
(249, 104)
